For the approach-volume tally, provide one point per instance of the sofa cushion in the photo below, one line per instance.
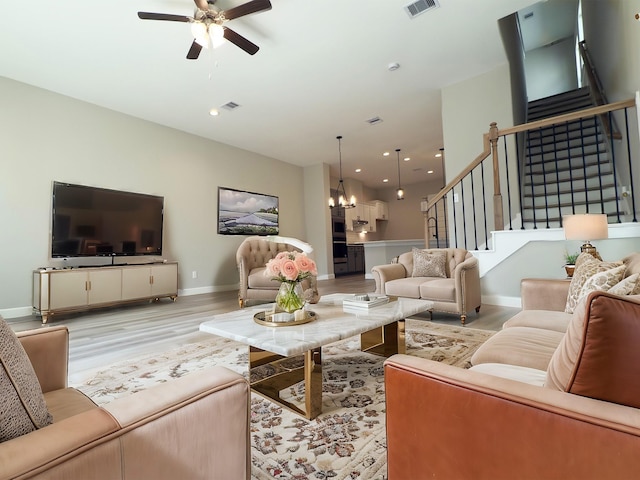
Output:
(428, 263)
(22, 405)
(523, 346)
(258, 279)
(405, 287)
(545, 319)
(599, 356)
(528, 375)
(438, 290)
(586, 267)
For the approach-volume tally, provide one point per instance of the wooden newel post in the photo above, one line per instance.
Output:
(497, 196)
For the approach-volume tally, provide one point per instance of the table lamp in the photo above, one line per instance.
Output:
(586, 227)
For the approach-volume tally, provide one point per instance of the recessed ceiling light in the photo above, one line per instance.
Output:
(358, 170)
(385, 180)
(385, 154)
(438, 155)
(406, 159)
(214, 112)
(429, 171)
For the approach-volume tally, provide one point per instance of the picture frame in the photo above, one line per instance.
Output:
(247, 213)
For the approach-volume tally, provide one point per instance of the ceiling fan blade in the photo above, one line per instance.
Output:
(163, 16)
(238, 40)
(247, 8)
(194, 51)
(202, 5)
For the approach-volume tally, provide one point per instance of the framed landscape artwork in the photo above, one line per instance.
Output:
(246, 213)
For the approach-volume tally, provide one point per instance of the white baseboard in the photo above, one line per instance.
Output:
(502, 301)
(16, 312)
(208, 289)
(368, 276)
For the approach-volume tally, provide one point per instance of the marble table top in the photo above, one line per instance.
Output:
(331, 324)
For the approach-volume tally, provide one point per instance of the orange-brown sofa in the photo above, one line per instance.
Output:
(194, 427)
(581, 421)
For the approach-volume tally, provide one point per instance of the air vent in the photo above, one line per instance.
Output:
(416, 8)
(374, 120)
(528, 15)
(230, 106)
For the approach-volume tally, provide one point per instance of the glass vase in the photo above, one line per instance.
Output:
(290, 297)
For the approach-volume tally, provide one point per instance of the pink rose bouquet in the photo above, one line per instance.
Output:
(290, 267)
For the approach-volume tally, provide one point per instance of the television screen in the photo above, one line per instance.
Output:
(90, 221)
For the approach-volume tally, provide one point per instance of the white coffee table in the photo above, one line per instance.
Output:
(381, 331)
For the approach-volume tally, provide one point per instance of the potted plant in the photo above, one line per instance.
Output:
(570, 263)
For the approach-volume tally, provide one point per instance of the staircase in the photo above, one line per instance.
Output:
(567, 167)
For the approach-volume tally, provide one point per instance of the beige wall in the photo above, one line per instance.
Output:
(46, 137)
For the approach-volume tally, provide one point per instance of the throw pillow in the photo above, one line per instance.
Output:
(586, 267)
(599, 357)
(22, 405)
(627, 286)
(602, 281)
(429, 263)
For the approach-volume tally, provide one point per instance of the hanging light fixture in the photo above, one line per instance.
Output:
(399, 191)
(340, 191)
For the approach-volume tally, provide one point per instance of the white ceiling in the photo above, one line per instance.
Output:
(321, 71)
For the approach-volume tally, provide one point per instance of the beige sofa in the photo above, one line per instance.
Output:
(194, 427)
(552, 395)
(457, 292)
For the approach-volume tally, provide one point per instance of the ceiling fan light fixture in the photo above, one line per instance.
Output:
(216, 33)
(199, 32)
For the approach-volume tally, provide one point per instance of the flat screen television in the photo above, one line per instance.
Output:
(91, 221)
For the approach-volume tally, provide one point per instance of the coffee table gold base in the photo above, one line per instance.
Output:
(386, 340)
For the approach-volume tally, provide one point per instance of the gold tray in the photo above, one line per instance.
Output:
(260, 317)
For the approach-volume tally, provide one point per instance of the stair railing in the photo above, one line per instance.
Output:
(471, 219)
(596, 89)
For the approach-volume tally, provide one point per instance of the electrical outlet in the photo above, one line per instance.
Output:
(194, 274)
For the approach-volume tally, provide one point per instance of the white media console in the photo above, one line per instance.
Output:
(82, 288)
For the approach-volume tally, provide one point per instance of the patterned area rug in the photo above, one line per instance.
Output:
(347, 441)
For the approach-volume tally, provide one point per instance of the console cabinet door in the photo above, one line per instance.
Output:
(136, 282)
(68, 289)
(164, 279)
(105, 286)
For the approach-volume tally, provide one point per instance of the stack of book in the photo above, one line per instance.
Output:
(364, 302)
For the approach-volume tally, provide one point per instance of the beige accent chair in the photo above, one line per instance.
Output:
(252, 256)
(194, 427)
(458, 293)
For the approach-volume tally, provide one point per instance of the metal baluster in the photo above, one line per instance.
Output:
(446, 220)
(473, 210)
(464, 216)
(595, 120)
(613, 162)
(544, 179)
(584, 165)
(633, 197)
(573, 202)
(521, 180)
(455, 223)
(484, 204)
(533, 193)
(555, 159)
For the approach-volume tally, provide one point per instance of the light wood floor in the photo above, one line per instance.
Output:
(100, 337)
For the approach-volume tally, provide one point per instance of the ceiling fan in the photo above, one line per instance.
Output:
(207, 24)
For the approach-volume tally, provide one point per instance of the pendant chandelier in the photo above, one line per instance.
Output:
(340, 191)
(399, 191)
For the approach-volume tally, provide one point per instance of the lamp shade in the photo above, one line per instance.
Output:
(586, 226)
